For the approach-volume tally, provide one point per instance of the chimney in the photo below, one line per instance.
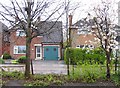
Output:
(70, 20)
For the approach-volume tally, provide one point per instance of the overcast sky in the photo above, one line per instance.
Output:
(85, 7)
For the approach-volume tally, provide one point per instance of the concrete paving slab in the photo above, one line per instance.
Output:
(40, 67)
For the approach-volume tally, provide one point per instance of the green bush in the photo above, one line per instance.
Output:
(6, 56)
(14, 61)
(84, 56)
(12, 75)
(69, 56)
(22, 59)
(1, 61)
(116, 78)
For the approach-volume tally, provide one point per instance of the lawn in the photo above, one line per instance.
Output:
(88, 73)
(82, 74)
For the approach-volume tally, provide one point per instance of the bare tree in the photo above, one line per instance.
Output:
(104, 29)
(27, 17)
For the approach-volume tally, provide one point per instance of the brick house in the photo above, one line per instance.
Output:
(81, 36)
(4, 39)
(118, 35)
(46, 47)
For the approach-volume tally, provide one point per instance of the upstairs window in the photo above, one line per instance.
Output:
(20, 33)
(80, 31)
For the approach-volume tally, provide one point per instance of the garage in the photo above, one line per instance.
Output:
(51, 52)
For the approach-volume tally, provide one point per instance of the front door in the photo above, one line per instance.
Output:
(38, 52)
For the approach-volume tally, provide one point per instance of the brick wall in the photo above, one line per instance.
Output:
(21, 40)
(0, 43)
(82, 39)
(6, 47)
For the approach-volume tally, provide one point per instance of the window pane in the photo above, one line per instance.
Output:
(15, 51)
(81, 46)
(20, 33)
(38, 55)
(38, 49)
(21, 49)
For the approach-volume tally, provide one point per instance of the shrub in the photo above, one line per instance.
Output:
(84, 56)
(6, 56)
(116, 78)
(22, 59)
(14, 62)
(1, 61)
(12, 75)
(69, 55)
(66, 55)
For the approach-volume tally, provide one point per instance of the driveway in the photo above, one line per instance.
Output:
(48, 67)
(45, 67)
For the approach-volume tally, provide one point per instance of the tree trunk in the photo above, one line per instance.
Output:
(27, 65)
(28, 40)
(108, 65)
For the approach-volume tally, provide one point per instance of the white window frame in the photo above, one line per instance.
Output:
(20, 34)
(16, 49)
(85, 46)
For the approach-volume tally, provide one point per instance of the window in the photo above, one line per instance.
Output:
(85, 46)
(19, 49)
(81, 46)
(82, 32)
(20, 33)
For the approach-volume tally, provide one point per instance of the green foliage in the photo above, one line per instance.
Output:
(46, 80)
(2, 61)
(88, 73)
(6, 56)
(22, 59)
(84, 56)
(14, 61)
(12, 75)
(116, 78)
(36, 83)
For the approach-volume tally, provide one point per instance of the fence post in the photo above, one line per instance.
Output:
(68, 72)
(116, 62)
(32, 67)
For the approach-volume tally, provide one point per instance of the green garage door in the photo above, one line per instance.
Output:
(51, 53)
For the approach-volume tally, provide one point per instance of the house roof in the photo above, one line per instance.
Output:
(52, 31)
(3, 27)
(83, 22)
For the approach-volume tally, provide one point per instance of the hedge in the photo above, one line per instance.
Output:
(22, 59)
(2, 61)
(6, 56)
(84, 56)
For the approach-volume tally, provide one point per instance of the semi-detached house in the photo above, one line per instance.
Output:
(43, 47)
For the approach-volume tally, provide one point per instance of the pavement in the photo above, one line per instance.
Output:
(39, 67)
(48, 67)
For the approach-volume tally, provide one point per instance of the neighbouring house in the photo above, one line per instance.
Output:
(81, 37)
(118, 35)
(4, 39)
(118, 27)
(43, 47)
